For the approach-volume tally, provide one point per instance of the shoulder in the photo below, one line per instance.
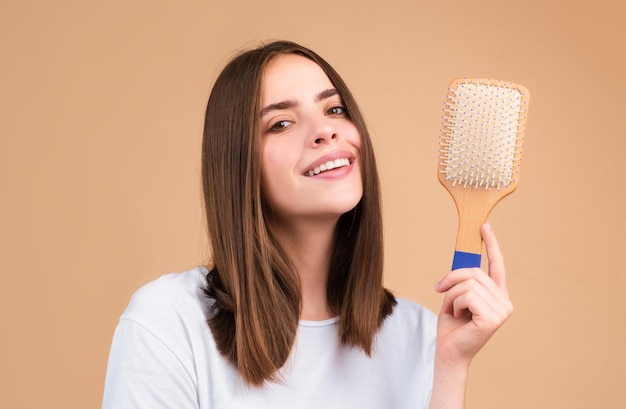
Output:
(412, 320)
(174, 283)
(407, 309)
(175, 296)
(158, 343)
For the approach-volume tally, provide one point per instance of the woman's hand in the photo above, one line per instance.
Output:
(475, 305)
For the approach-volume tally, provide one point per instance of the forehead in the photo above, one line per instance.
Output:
(292, 76)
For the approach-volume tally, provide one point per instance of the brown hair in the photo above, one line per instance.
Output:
(253, 286)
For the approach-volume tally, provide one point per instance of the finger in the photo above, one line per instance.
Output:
(496, 260)
(470, 305)
(462, 291)
(489, 294)
(458, 276)
(486, 314)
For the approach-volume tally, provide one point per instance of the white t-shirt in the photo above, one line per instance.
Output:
(164, 356)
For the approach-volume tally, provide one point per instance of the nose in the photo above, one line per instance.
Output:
(324, 133)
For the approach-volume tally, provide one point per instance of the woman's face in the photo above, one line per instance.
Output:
(310, 150)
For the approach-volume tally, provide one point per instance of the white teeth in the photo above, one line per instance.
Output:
(331, 164)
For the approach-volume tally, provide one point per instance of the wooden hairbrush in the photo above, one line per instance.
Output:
(480, 151)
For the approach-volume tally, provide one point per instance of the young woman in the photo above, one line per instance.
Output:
(291, 312)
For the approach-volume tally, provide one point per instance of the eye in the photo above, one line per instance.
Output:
(279, 126)
(338, 110)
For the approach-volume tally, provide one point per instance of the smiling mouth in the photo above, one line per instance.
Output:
(330, 165)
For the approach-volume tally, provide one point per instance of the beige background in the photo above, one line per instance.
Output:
(101, 108)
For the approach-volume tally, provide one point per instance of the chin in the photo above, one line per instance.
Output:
(343, 207)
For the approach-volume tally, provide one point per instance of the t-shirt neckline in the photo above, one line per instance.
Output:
(322, 323)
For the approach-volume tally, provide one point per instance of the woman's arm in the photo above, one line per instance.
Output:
(475, 305)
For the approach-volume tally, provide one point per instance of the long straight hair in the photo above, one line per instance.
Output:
(253, 287)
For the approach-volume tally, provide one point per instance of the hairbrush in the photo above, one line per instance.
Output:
(480, 153)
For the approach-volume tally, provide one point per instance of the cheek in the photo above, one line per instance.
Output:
(353, 136)
(275, 158)
(267, 159)
(276, 165)
(268, 191)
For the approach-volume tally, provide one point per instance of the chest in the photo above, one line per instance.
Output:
(321, 373)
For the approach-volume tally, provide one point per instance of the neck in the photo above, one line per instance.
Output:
(309, 245)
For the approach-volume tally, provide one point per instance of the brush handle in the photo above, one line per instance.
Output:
(469, 242)
(465, 260)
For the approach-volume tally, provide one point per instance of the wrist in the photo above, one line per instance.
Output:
(449, 382)
(452, 357)
(452, 368)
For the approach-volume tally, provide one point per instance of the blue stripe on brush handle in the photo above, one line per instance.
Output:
(465, 260)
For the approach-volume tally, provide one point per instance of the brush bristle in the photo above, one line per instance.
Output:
(482, 133)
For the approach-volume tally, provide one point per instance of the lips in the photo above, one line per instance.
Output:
(334, 160)
(328, 165)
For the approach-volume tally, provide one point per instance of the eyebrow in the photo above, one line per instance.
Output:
(290, 103)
